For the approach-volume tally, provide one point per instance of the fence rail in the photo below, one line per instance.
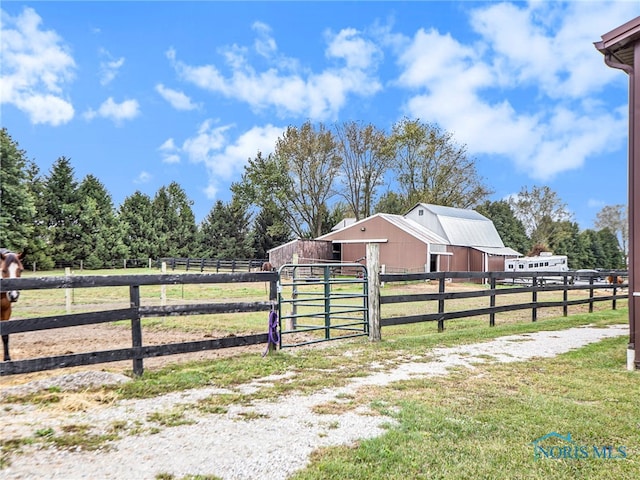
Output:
(203, 264)
(510, 283)
(209, 264)
(138, 352)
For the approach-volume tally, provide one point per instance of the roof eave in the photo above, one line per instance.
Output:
(617, 45)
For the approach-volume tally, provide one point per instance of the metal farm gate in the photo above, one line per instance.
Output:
(321, 302)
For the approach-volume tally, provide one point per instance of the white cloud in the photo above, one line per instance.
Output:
(284, 85)
(357, 52)
(45, 108)
(143, 177)
(109, 68)
(224, 160)
(170, 152)
(550, 45)
(551, 124)
(116, 112)
(178, 100)
(35, 66)
(264, 44)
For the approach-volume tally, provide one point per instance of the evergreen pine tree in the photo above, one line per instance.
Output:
(62, 210)
(135, 215)
(17, 208)
(101, 243)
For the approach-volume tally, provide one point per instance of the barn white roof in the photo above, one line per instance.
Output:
(414, 229)
(459, 226)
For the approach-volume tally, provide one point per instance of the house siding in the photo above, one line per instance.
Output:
(401, 252)
(408, 244)
(308, 251)
(426, 218)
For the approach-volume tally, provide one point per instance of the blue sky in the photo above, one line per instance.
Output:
(141, 94)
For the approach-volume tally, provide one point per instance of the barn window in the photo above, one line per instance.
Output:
(420, 212)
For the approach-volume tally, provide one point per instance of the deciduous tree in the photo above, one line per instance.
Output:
(366, 159)
(313, 162)
(615, 218)
(392, 202)
(537, 209)
(298, 179)
(431, 168)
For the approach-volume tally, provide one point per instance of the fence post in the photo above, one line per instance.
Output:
(373, 267)
(163, 288)
(273, 290)
(327, 303)
(534, 299)
(492, 301)
(68, 292)
(591, 294)
(441, 289)
(293, 321)
(136, 328)
(565, 297)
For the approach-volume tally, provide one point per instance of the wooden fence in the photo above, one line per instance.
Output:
(211, 264)
(498, 284)
(203, 264)
(512, 283)
(134, 313)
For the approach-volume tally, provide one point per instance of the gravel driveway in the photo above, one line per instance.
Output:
(266, 440)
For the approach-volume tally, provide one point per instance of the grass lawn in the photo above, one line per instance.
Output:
(478, 424)
(481, 424)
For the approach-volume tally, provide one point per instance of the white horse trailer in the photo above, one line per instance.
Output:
(545, 262)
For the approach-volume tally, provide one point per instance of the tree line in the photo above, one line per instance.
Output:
(315, 177)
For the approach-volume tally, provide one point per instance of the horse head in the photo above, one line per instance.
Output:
(12, 268)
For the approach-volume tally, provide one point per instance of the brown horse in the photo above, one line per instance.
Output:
(11, 264)
(613, 279)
